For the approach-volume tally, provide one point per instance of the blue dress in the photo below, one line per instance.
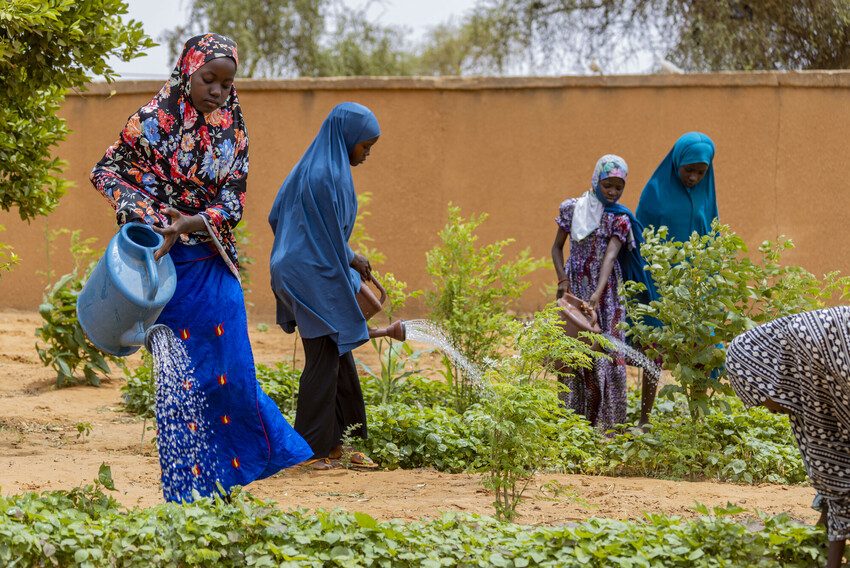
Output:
(239, 434)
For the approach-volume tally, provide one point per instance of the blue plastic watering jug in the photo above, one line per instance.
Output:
(126, 291)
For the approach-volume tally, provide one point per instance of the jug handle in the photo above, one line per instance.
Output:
(380, 289)
(153, 276)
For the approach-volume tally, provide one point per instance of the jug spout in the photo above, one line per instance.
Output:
(138, 336)
(395, 330)
(150, 333)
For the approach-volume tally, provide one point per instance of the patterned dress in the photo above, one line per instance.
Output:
(802, 362)
(583, 268)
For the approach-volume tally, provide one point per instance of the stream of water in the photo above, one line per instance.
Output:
(428, 332)
(635, 358)
(183, 435)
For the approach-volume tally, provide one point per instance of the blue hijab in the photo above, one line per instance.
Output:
(665, 199)
(312, 218)
(632, 263)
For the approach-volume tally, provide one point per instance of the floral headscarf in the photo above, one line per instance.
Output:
(171, 155)
(589, 208)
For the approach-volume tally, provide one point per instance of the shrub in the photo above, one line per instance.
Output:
(522, 407)
(47, 48)
(65, 346)
(710, 292)
(474, 286)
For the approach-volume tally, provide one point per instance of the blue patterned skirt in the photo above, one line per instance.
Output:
(245, 436)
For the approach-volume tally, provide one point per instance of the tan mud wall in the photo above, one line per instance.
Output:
(513, 148)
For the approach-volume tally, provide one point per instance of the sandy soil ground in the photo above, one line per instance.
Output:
(40, 450)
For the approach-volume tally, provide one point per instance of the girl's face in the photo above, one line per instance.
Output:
(612, 188)
(361, 151)
(692, 174)
(210, 85)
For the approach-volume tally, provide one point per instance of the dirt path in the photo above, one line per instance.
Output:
(40, 450)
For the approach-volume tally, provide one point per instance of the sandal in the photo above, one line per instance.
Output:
(320, 464)
(359, 460)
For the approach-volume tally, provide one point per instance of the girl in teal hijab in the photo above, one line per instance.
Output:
(680, 194)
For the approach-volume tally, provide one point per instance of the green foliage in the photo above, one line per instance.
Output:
(307, 38)
(474, 286)
(281, 384)
(139, 389)
(65, 346)
(46, 48)
(738, 445)
(710, 292)
(8, 258)
(360, 241)
(533, 36)
(243, 240)
(522, 407)
(399, 361)
(85, 527)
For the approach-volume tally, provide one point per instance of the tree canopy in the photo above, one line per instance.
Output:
(46, 48)
(325, 37)
(306, 38)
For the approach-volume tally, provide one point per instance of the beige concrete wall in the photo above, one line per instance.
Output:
(511, 147)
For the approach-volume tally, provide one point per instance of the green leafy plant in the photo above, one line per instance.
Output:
(87, 527)
(65, 346)
(139, 389)
(83, 429)
(47, 48)
(243, 241)
(8, 257)
(360, 240)
(711, 291)
(281, 384)
(474, 287)
(522, 407)
(398, 360)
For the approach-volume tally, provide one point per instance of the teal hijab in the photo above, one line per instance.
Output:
(665, 199)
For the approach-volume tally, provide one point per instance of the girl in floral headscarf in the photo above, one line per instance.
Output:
(180, 165)
(603, 252)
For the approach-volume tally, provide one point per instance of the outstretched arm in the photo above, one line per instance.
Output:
(614, 246)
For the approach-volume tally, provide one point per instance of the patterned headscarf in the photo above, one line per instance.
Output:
(802, 362)
(589, 208)
(170, 154)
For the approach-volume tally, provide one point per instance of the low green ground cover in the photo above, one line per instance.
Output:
(85, 527)
(418, 429)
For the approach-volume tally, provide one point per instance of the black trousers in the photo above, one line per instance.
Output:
(329, 397)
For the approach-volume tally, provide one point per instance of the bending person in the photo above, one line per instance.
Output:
(180, 165)
(680, 195)
(315, 276)
(800, 365)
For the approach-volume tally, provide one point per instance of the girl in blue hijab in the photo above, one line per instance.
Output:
(680, 194)
(315, 276)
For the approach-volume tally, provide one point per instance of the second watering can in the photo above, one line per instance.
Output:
(126, 291)
(370, 304)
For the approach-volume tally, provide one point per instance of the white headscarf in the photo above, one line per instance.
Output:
(589, 208)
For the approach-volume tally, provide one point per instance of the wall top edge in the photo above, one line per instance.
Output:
(799, 79)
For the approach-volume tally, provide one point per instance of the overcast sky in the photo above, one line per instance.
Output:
(159, 15)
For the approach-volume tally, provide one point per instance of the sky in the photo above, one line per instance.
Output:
(160, 15)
